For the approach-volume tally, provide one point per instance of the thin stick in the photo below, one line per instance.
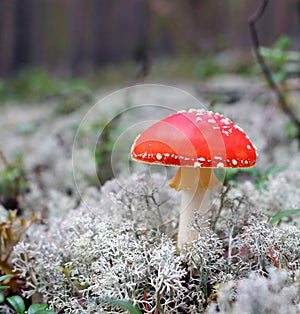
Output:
(146, 301)
(265, 69)
(4, 160)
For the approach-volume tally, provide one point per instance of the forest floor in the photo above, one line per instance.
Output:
(72, 154)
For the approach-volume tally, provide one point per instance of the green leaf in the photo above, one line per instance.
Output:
(274, 170)
(36, 307)
(125, 305)
(2, 298)
(283, 42)
(17, 303)
(39, 309)
(220, 173)
(285, 213)
(279, 77)
(2, 278)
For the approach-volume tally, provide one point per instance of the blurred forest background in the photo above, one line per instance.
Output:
(73, 37)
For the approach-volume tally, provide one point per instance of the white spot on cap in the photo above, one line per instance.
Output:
(158, 156)
(249, 147)
(150, 145)
(197, 164)
(201, 159)
(211, 121)
(218, 158)
(167, 155)
(220, 165)
(225, 121)
(234, 162)
(198, 119)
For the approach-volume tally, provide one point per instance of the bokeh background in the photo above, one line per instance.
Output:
(75, 38)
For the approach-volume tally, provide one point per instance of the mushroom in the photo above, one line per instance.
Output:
(196, 141)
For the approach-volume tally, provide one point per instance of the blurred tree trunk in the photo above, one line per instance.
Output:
(37, 32)
(102, 32)
(70, 36)
(22, 33)
(76, 44)
(7, 38)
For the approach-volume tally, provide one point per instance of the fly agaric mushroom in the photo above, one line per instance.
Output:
(196, 141)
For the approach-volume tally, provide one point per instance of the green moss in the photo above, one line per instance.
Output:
(37, 84)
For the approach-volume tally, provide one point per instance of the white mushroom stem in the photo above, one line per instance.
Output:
(196, 185)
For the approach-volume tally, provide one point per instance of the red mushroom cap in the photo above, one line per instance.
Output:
(195, 138)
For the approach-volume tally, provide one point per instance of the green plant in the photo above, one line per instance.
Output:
(36, 84)
(291, 130)
(289, 64)
(18, 304)
(286, 213)
(29, 84)
(125, 305)
(259, 177)
(283, 62)
(208, 67)
(13, 181)
(73, 100)
(110, 130)
(2, 288)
